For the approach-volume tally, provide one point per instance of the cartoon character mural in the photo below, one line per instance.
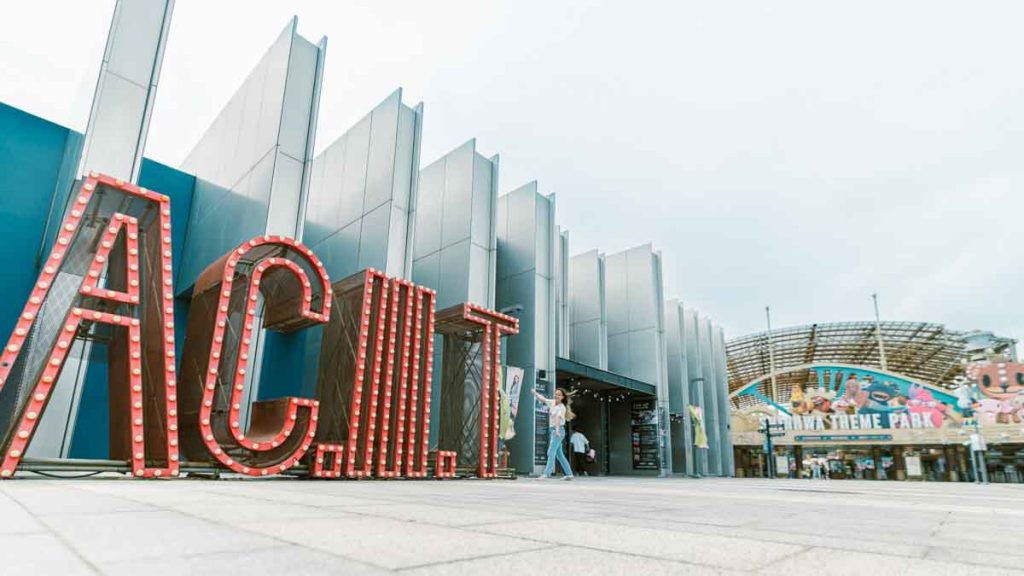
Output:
(799, 403)
(921, 401)
(820, 402)
(885, 400)
(851, 399)
(1001, 385)
(878, 399)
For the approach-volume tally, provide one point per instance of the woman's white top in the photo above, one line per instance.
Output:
(556, 413)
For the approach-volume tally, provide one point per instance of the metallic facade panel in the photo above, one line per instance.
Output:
(522, 230)
(339, 251)
(695, 371)
(118, 125)
(135, 38)
(252, 161)
(545, 241)
(284, 203)
(364, 189)
(525, 222)
(118, 117)
(317, 203)
(374, 238)
(455, 274)
(563, 277)
(398, 243)
(678, 384)
(353, 183)
(454, 216)
(644, 360)
(480, 289)
(711, 413)
(587, 309)
(484, 194)
(586, 280)
(380, 159)
(724, 408)
(458, 195)
(429, 211)
(642, 289)
(633, 293)
(586, 343)
(618, 358)
(298, 99)
(617, 296)
(426, 271)
(406, 157)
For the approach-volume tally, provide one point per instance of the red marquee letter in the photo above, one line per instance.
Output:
(217, 355)
(490, 326)
(375, 366)
(109, 226)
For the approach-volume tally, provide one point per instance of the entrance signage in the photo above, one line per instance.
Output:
(110, 272)
(845, 438)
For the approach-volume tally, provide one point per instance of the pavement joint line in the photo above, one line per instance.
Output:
(621, 552)
(58, 537)
(481, 557)
(764, 540)
(330, 553)
(938, 527)
(187, 555)
(793, 554)
(282, 543)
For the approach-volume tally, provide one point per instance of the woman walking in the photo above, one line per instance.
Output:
(559, 412)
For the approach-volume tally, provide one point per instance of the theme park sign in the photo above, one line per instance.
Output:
(875, 421)
(372, 413)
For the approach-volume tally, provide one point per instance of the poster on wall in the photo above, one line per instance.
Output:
(540, 419)
(513, 386)
(644, 420)
(913, 464)
(700, 437)
(781, 465)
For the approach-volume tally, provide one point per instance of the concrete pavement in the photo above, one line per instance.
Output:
(591, 526)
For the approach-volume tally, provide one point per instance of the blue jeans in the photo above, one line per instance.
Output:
(556, 438)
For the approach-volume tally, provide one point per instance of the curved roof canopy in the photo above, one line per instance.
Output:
(922, 351)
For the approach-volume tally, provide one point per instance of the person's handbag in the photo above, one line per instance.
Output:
(591, 455)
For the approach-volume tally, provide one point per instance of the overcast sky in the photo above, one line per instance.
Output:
(801, 154)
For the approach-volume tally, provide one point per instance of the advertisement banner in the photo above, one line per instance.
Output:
(513, 386)
(700, 437)
(913, 464)
(644, 418)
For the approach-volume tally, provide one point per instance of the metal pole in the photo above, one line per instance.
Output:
(878, 331)
(982, 466)
(771, 353)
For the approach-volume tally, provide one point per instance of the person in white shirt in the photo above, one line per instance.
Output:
(559, 412)
(580, 446)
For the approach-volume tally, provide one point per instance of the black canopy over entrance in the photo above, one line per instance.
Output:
(603, 403)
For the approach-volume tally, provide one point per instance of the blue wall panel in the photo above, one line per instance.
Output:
(32, 154)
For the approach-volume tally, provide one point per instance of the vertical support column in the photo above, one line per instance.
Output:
(722, 396)
(126, 89)
(115, 139)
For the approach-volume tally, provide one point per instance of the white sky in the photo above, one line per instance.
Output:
(802, 155)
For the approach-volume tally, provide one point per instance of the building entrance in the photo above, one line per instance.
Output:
(618, 417)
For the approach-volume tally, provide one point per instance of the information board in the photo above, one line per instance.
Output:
(644, 416)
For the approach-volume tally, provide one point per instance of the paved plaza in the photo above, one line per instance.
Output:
(591, 526)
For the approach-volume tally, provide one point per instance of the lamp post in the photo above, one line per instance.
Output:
(768, 429)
